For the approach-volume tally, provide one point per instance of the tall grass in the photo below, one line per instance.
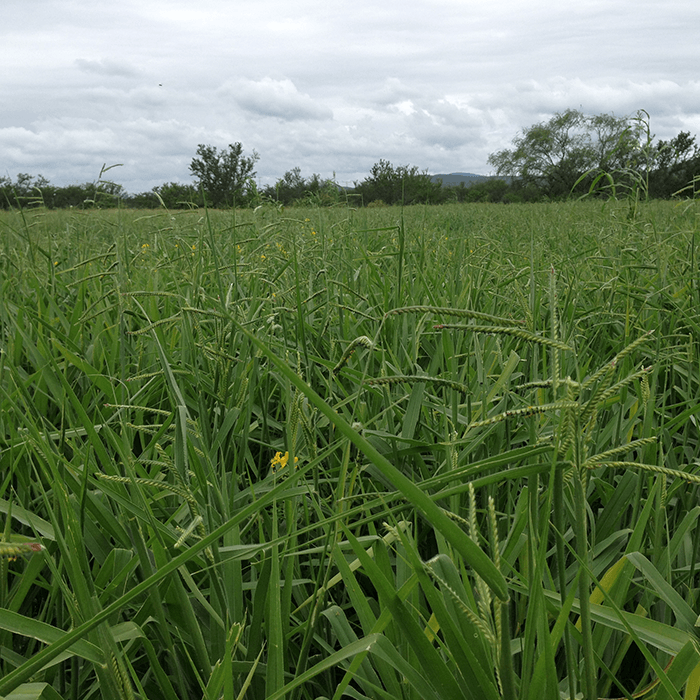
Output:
(392, 453)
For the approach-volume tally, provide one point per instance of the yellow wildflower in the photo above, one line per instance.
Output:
(279, 461)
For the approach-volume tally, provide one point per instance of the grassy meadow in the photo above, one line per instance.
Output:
(431, 453)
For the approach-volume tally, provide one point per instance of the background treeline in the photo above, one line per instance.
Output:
(571, 155)
(386, 184)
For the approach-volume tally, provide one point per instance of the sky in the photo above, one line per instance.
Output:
(330, 87)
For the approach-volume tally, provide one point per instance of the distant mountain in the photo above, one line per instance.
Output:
(453, 179)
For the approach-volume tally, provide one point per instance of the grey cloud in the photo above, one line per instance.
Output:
(439, 84)
(151, 152)
(448, 126)
(106, 67)
(392, 91)
(276, 98)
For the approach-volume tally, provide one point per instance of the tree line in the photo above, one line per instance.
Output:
(570, 155)
(574, 154)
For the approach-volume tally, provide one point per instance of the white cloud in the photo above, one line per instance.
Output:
(325, 86)
(274, 98)
(106, 66)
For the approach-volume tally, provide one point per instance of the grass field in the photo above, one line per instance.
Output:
(430, 453)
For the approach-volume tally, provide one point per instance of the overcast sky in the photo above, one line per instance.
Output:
(330, 87)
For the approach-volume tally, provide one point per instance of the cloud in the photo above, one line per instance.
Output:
(447, 125)
(393, 91)
(145, 149)
(106, 67)
(439, 84)
(275, 98)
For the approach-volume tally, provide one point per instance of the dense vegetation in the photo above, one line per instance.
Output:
(603, 155)
(423, 453)
(570, 156)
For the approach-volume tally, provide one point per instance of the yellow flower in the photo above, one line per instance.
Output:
(279, 461)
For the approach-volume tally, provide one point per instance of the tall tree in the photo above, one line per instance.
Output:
(225, 176)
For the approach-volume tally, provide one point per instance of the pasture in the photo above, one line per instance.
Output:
(424, 453)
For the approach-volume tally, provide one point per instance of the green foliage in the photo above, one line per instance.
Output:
(395, 185)
(28, 191)
(494, 190)
(292, 188)
(177, 195)
(600, 155)
(554, 155)
(25, 188)
(676, 164)
(242, 460)
(226, 177)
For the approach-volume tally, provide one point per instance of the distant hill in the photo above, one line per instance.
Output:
(454, 179)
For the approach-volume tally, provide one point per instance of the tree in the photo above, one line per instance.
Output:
(393, 185)
(292, 188)
(106, 194)
(70, 196)
(176, 195)
(27, 190)
(226, 177)
(571, 149)
(676, 164)
(491, 190)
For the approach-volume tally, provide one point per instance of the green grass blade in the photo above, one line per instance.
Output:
(686, 619)
(34, 691)
(24, 672)
(473, 556)
(28, 627)
(431, 664)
